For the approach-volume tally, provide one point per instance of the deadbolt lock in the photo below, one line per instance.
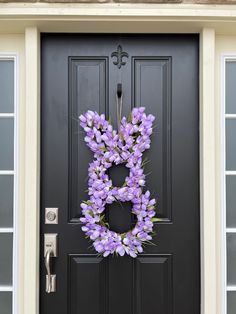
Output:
(51, 215)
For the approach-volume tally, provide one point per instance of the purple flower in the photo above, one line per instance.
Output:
(120, 250)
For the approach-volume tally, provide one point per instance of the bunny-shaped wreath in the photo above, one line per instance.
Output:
(112, 147)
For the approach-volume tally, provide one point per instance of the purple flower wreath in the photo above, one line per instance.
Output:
(111, 147)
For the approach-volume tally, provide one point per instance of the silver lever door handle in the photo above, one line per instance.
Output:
(50, 279)
(50, 250)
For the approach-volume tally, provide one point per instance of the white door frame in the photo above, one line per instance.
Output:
(207, 172)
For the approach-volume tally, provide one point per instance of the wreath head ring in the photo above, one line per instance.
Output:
(123, 147)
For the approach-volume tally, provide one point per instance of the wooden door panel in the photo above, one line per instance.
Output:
(87, 284)
(160, 73)
(88, 84)
(156, 97)
(151, 293)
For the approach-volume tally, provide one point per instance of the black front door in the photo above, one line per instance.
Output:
(160, 72)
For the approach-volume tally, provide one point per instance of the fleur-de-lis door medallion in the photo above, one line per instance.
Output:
(119, 54)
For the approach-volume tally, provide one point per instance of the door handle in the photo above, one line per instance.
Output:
(50, 250)
(50, 279)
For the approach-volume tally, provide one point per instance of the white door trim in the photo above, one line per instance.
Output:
(32, 172)
(207, 172)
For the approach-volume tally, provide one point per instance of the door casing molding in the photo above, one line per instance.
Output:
(32, 171)
(207, 170)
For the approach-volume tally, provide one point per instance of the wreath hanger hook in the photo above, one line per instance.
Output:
(119, 90)
(119, 96)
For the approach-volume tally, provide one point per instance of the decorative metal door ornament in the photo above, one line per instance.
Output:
(111, 147)
(119, 54)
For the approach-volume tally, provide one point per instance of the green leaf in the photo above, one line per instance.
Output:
(137, 134)
(103, 149)
(129, 119)
(145, 161)
(88, 203)
(124, 184)
(90, 212)
(121, 136)
(155, 219)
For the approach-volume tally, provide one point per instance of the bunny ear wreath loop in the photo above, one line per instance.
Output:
(123, 147)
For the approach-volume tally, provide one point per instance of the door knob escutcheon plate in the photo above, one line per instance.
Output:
(50, 243)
